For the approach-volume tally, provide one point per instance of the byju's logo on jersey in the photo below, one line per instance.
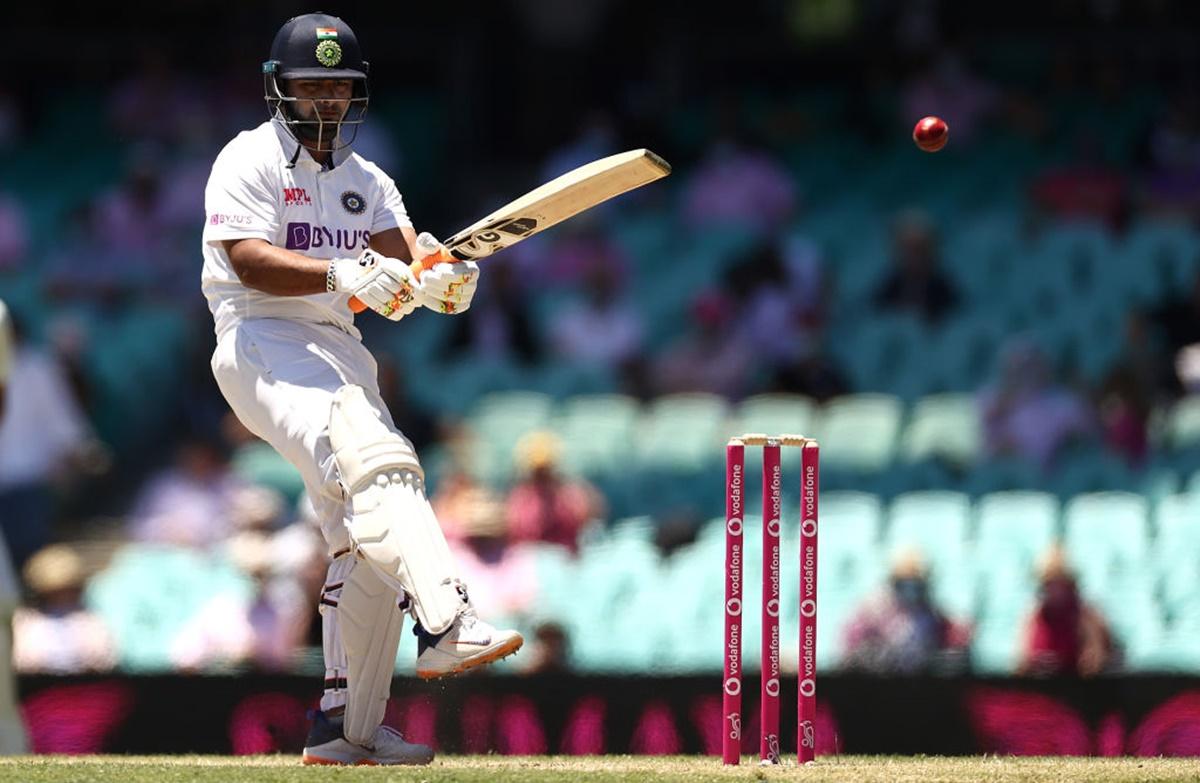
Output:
(296, 197)
(306, 236)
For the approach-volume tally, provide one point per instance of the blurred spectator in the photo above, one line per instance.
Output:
(738, 185)
(916, 284)
(543, 505)
(14, 233)
(56, 634)
(813, 374)
(1026, 414)
(711, 357)
(11, 119)
(6, 353)
(1087, 187)
(1064, 635)
(900, 631)
(605, 329)
(264, 631)
(1173, 159)
(498, 326)
(501, 577)
(1187, 366)
(416, 423)
(43, 437)
(253, 461)
(947, 89)
(1140, 378)
(130, 220)
(454, 502)
(1178, 319)
(189, 503)
(550, 652)
(156, 102)
(102, 279)
(777, 287)
(596, 139)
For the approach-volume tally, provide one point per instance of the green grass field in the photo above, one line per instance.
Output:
(286, 769)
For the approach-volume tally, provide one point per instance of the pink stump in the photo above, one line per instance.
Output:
(772, 502)
(810, 475)
(731, 730)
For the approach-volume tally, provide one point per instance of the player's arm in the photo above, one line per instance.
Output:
(276, 270)
(398, 243)
(384, 284)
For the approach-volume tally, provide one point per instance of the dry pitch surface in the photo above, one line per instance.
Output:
(285, 769)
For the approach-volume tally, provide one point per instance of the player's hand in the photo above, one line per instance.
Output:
(385, 285)
(449, 286)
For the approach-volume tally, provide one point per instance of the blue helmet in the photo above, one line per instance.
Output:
(315, 46)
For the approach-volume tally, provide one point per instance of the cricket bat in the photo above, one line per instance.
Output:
(560, 198)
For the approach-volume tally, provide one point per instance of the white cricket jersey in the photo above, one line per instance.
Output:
(255, 191)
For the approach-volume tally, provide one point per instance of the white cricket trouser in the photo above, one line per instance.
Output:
(279, 377)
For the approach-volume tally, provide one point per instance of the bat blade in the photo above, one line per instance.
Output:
(548, 205)
(559, 199)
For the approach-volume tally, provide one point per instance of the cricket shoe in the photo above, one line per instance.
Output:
(327, 745)
(467, 643)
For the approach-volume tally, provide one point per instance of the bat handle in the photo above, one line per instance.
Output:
(417, 267)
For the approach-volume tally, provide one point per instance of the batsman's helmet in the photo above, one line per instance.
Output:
(315, 46)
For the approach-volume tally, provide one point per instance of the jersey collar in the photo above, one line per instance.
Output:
(295, 151)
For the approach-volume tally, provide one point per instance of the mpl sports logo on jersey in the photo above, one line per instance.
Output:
(306, 236)
(296, 197)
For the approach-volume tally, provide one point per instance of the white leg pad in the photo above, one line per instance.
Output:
(391, 522)
(362, 628)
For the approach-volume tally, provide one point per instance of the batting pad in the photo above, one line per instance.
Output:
(391, 522)
(365, 625)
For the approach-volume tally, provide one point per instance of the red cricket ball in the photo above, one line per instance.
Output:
(931, 133)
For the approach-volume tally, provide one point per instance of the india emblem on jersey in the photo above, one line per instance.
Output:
(353, 202)
(329, 53)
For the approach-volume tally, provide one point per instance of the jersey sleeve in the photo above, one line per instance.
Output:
(389, 207)
(239, 202)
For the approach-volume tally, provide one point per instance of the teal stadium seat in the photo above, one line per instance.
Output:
(1019, 521)
(258, 463)
(597, 432)
(850, 564)
(1177, 550)
(147, 595)
(775, 414)
(1106, 536)
(1183, 424)
(682, 431)
(499, 420)
(1133, 614)
(1158, 258)
(878, 350)
(965, 349)
(612, 577)
(858, 432)
(935, 523)
(943, 426)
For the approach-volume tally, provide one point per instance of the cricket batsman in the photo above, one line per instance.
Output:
(296, 224)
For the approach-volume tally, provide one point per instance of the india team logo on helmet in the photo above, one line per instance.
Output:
(329, 53)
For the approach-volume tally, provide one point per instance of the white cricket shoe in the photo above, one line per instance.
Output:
(327, 745)
(467, 643)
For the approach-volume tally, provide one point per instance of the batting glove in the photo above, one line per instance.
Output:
(385, 285)
(449, 286)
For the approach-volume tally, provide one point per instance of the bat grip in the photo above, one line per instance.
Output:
(416, 267)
